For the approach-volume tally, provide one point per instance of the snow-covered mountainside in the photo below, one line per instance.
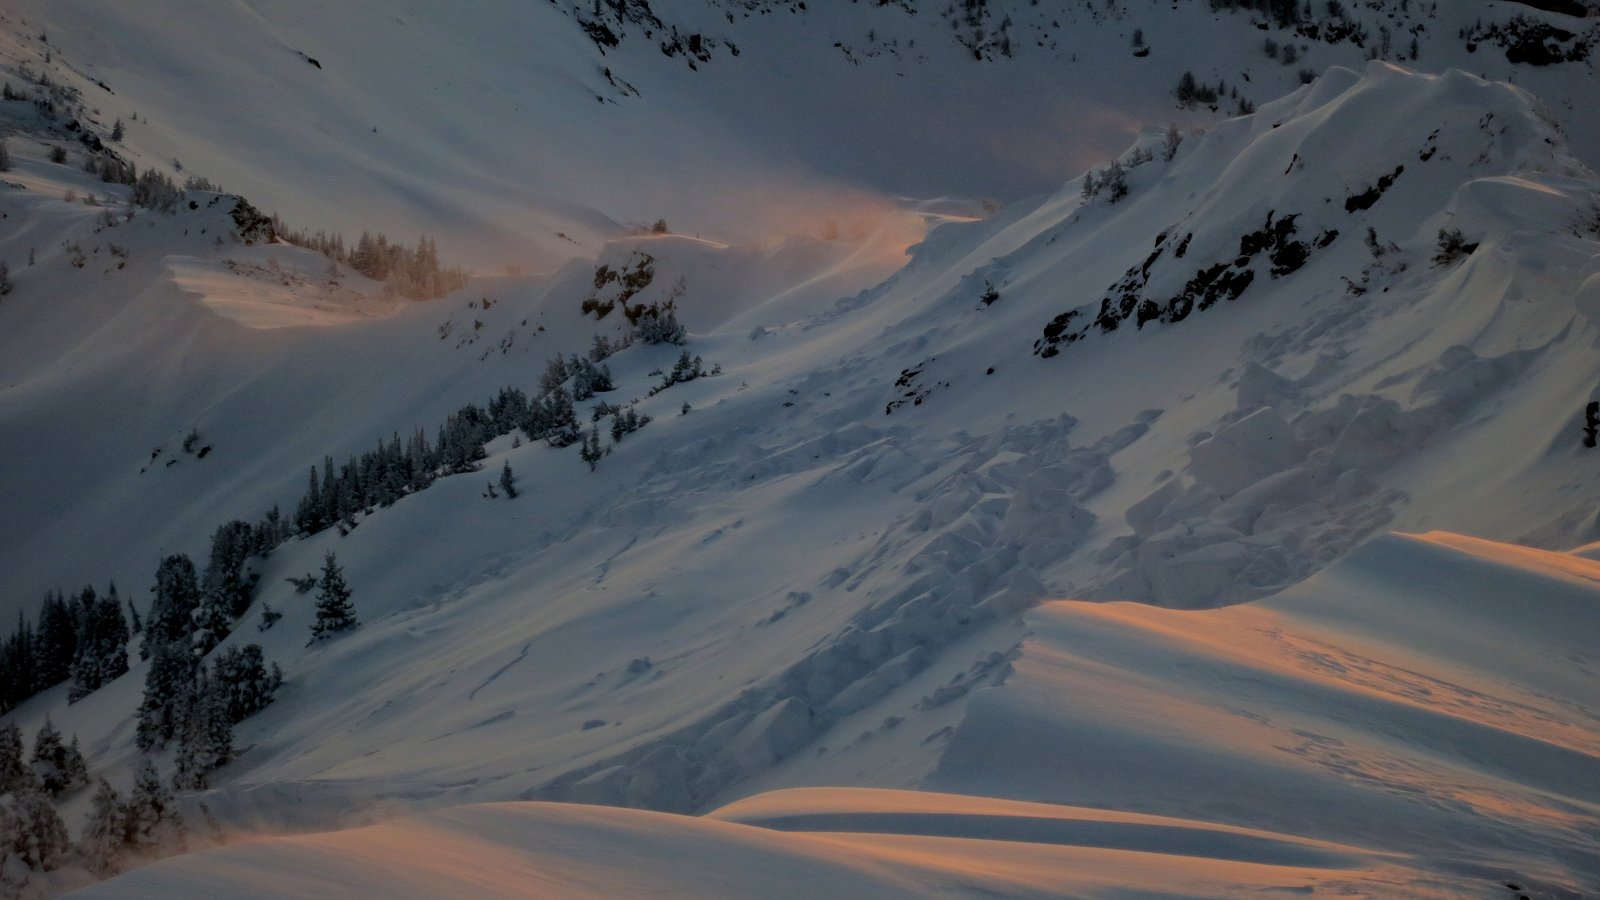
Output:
(1210, 376)
(511, 131)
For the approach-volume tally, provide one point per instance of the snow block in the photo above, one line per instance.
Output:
(1245, 452)
(773, 735)
(1259, 386)
(1142, 516)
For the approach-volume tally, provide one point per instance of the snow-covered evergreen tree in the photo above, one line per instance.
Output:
(225, 576)
(55, 641)
(102, 651)
(58, 767)
(205, 741)
(554, 420)
(245, 681)
(213, 622)
(508, 481)
(334, 610)
(658, 324)
(177, 597)
(590, 452)
(152, 822)
(103, 841)
(170, 676)
(32, 835)
(14, 772)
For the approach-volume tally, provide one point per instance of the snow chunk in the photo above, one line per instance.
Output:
(1245, 452)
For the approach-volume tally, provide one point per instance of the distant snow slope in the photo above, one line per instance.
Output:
(807, 565)
(498, 127)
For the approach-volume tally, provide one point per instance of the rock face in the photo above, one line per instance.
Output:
(251, 225)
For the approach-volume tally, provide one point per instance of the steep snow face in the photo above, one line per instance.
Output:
(806, 565)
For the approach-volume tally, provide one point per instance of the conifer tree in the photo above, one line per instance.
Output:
(152, 819)
(334, 610)
(590, 451)
(206, 739)
(245, 681)
(103, 840)
(102, 652)
(57, 767)
(177, 597)
(269, 617)
(169, 678)
(224, 576)
(14, 772)
(31, 832)
(508, 481)
(55, 641)
(17, 663)
(213, 622)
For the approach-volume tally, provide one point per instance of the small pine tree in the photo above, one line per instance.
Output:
(5, 279)
(177, 597)
(334, 611)
(590, 451)
(152, 821)
(244, 680)
(1169, 147)
(37, 836)
(5, 156)
(508, 481)
(170, 676)
(58, 767)
(105, 830)
(213, 622)
(269, 617)
(102, 651)
(118, 130)
(206, 741)
(14, 772)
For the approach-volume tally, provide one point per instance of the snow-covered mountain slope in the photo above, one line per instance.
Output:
(1195, 394)
(502, 127)
(1401, 724)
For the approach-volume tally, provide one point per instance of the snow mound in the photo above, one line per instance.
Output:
(902, 844)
